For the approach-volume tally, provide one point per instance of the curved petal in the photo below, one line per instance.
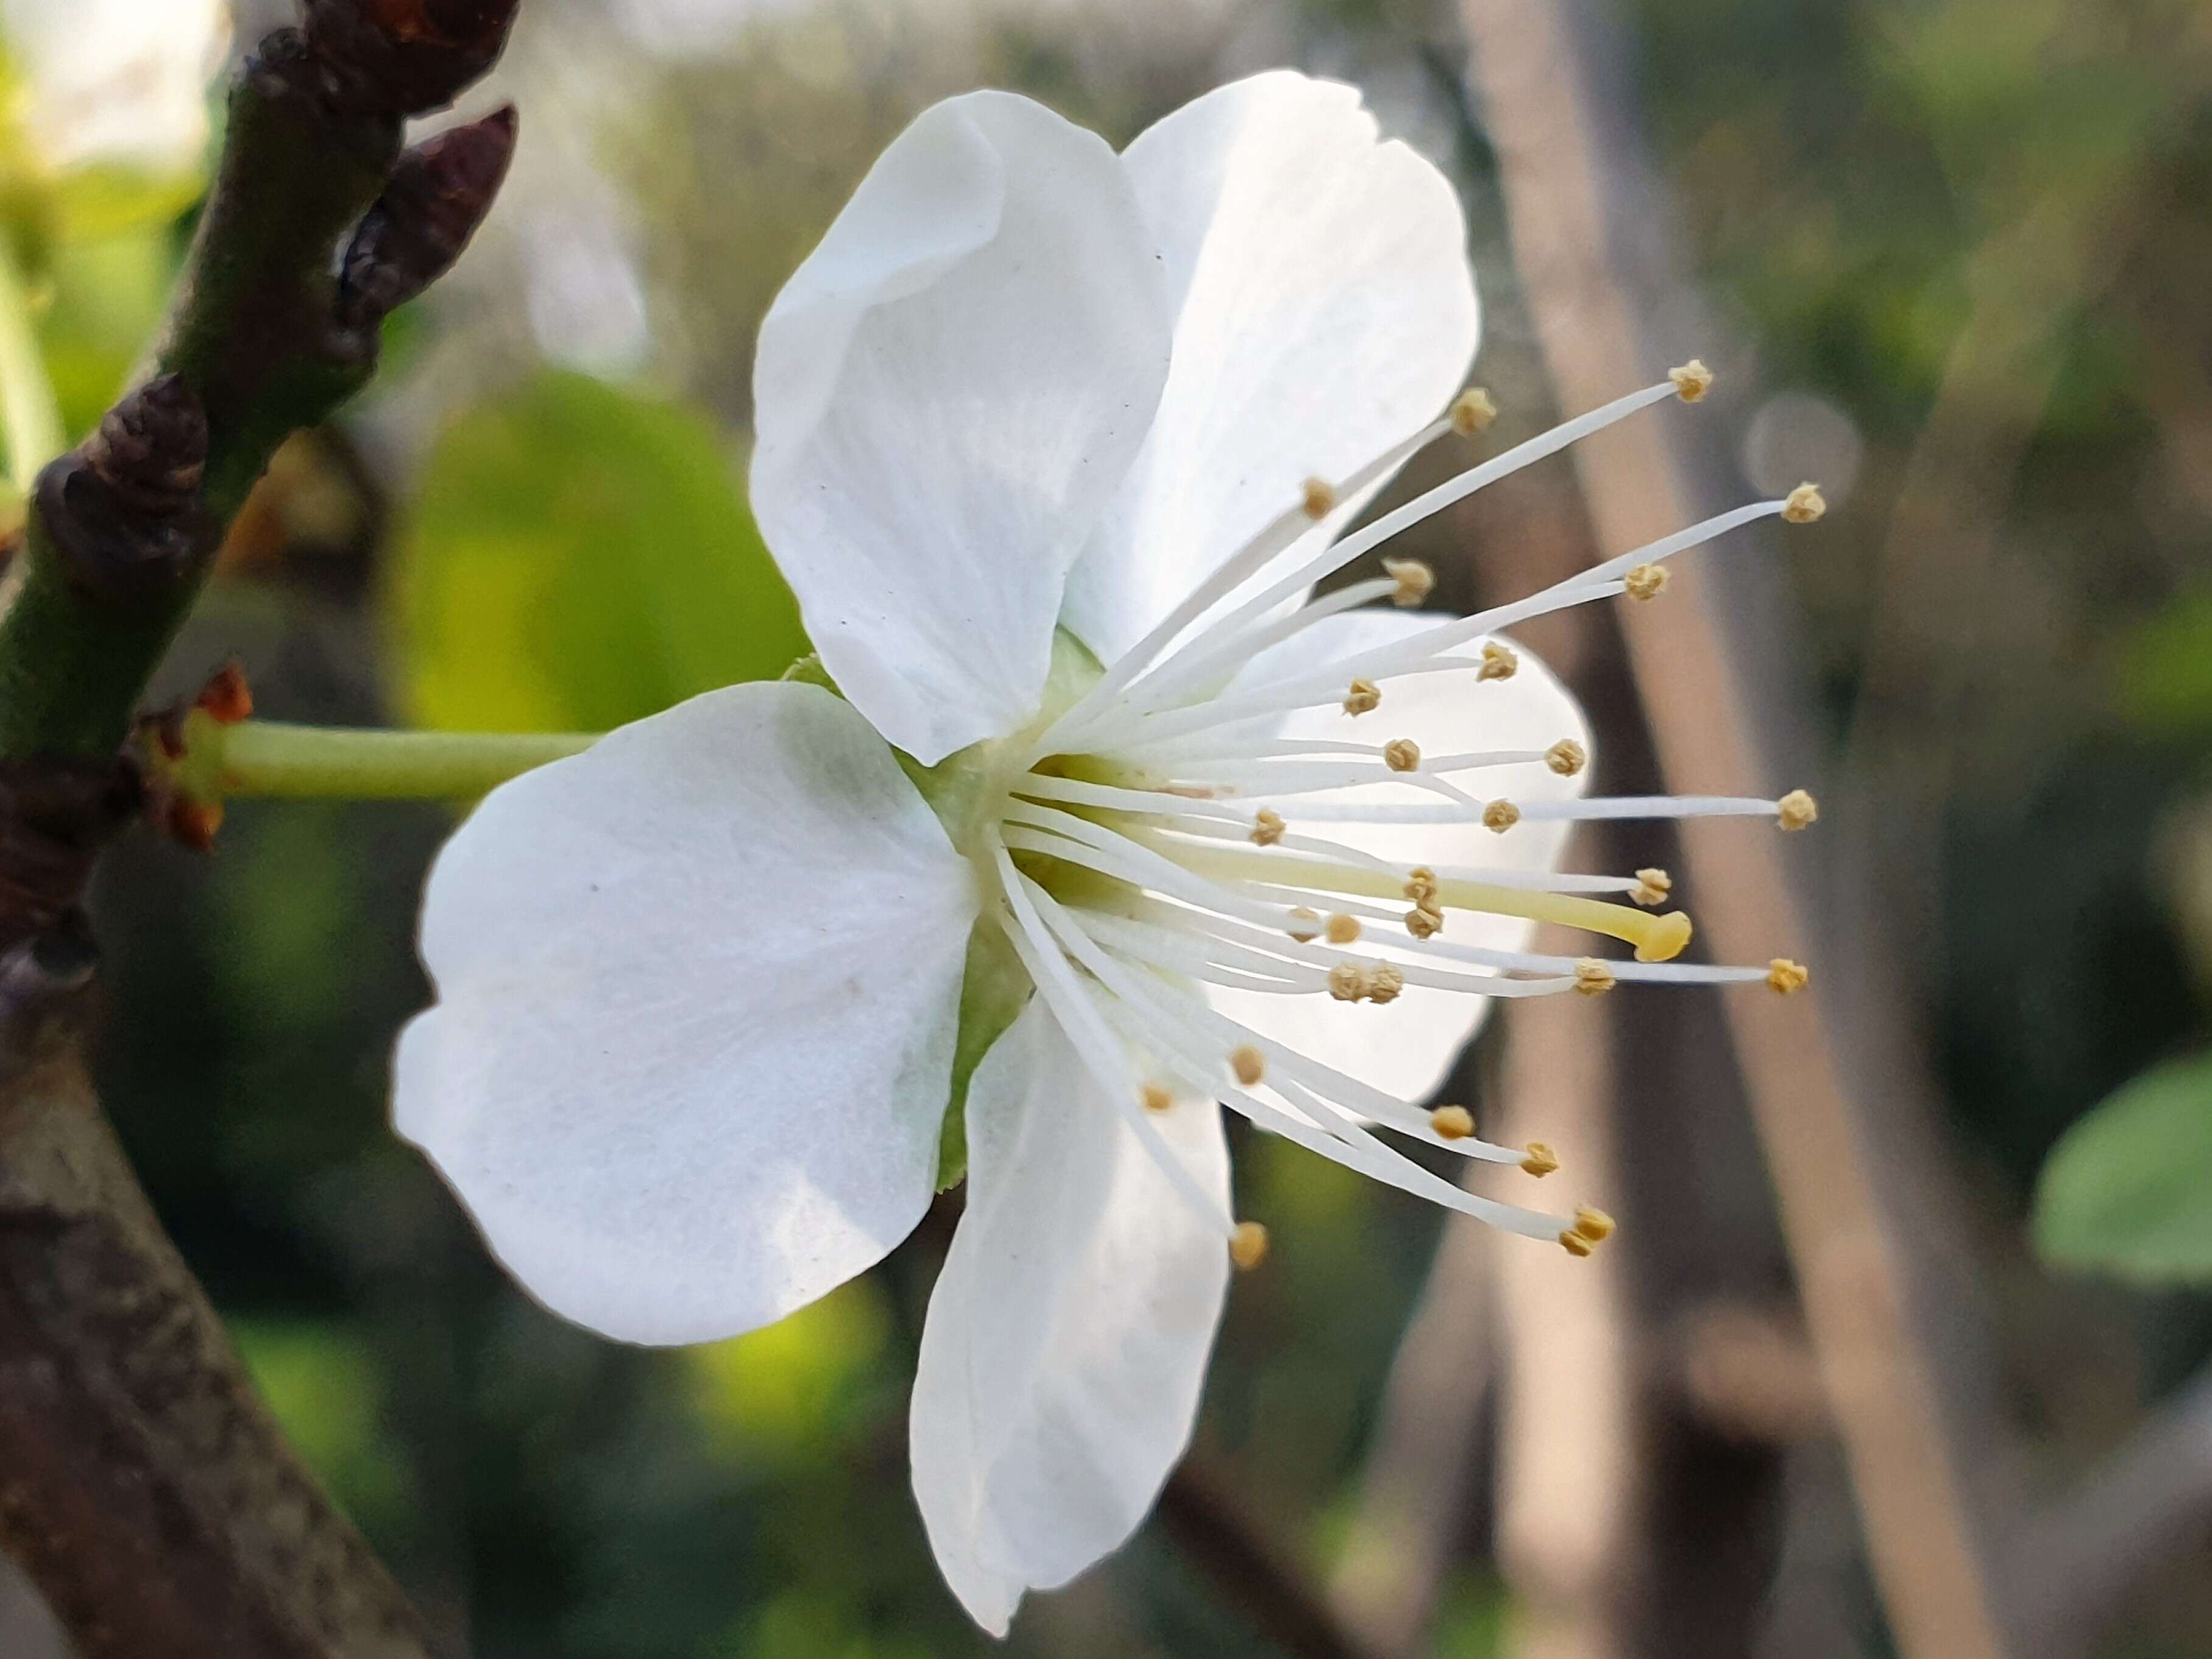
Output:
(1408, 1047)
(946, 394)
(1068, 1335)
(1326, 312)
(697, 994)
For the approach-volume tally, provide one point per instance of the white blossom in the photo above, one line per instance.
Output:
(118, 81)
(1053, 445)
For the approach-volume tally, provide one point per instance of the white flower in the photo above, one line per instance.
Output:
(118, 81)
(1040, 429)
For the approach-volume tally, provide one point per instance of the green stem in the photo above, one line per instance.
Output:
(301, 763)
(30, 418)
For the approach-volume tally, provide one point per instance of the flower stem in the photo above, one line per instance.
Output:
(260, 758)
(30, 418)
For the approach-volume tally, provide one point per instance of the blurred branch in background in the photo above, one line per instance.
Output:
(1591, 242)
(145, 1486)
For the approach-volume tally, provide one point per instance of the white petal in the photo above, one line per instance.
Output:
(946, 395)
(1067, 1338)
(1326, 312)
(1408, 1047)
(697, 994)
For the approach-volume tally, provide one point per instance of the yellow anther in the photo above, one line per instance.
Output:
(1348, 982)
(1595, 1225)
(1319, 498)
(1797, 810)
(1416, 582)
(1343, 929)
(1566, 757)
(1421, 886)
(1402, 755)
(1647, 581)
(1500, 816)
(1384, 983)
(1653, 888)
(1575, 1245)
(1498, 663)
(1452, 1122)
(1592, 978)
(1425, 924)
(1693, 380)
(1805, 505)
(1248, 1245)
(1787, 976)
(1305, 925)
(1541, 1160)
(1249, 1065)
(1472, 411)
(1267, 826)
(1157, 1099)
(1365, 697)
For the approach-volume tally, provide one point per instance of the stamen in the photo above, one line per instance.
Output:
(1248, 562)
(1566, 757)
(1421, 885)
(1425, 924)
(1384, 983)
(1653, 888)
(1541, 1160)
(1500, 816)
(1306, 925)
(1415, 580)
(1056, 982)
(1343, 929)
(1592, 978)
(1156, 1098)
(1472, 411)
(1788, 977)
(1693, 380)
(1452, 1122)
(1361, 542)
(1249, 1245)
(1806, 505)
(1498, 663)
(1575, 1245)
(1267, 827)
(1249, 1066)
(1365, 697)
(1348, 982)
(1319, 499)
(1150, 1008)
(1797, 811)
(1402, 755)
(1647, 581)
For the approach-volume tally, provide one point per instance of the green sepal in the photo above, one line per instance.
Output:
(993, 994)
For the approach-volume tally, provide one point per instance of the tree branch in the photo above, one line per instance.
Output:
(143, 1484)
(271, 333)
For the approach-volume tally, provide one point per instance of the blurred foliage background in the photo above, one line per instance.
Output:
(1970, 241)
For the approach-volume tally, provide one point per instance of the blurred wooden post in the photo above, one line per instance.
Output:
(1565, 200)
(1568, 1466)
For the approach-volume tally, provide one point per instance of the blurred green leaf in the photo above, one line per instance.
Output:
(108, 199)
(2129, 1189)
(2165, 674)
(581, 557)
(324, 1385)
(786, 1387)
